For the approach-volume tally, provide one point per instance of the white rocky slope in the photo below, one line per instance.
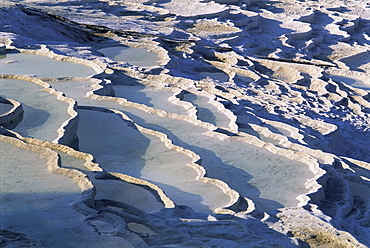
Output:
(261, 102)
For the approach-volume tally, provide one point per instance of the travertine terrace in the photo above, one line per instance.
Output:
(241, 123)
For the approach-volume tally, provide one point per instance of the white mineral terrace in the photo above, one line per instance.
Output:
(126, 150)
(121, 148)
(170, 123)
(43, 114)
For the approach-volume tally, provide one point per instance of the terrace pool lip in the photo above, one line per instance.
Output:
(13, 114)
(66, 124)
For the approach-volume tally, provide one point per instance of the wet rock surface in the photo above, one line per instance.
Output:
(220, 124)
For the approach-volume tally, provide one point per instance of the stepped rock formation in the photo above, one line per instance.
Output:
(228, 123)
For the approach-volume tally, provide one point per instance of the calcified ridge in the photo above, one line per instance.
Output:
(251, 128)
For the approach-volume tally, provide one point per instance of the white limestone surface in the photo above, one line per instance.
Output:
(249, 127)
(36, 202)
(123, 149)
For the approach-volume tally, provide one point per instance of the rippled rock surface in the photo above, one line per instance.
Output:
(228, 123)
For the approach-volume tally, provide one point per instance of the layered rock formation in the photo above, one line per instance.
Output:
(250, 130)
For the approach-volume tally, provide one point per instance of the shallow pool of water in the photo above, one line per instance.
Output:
(115, 189)
(41, 66)
(73, 89)
(43, 112)
(149, 96)
(121, 148)
(270, 180)
(220, 76)
(23, 171)
(135, 56)
(37, 203)
(4, 108)
(352, 82)
(207, 112)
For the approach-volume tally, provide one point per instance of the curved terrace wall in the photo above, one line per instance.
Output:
(67, 132)
(11, 118)
(314, 189)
